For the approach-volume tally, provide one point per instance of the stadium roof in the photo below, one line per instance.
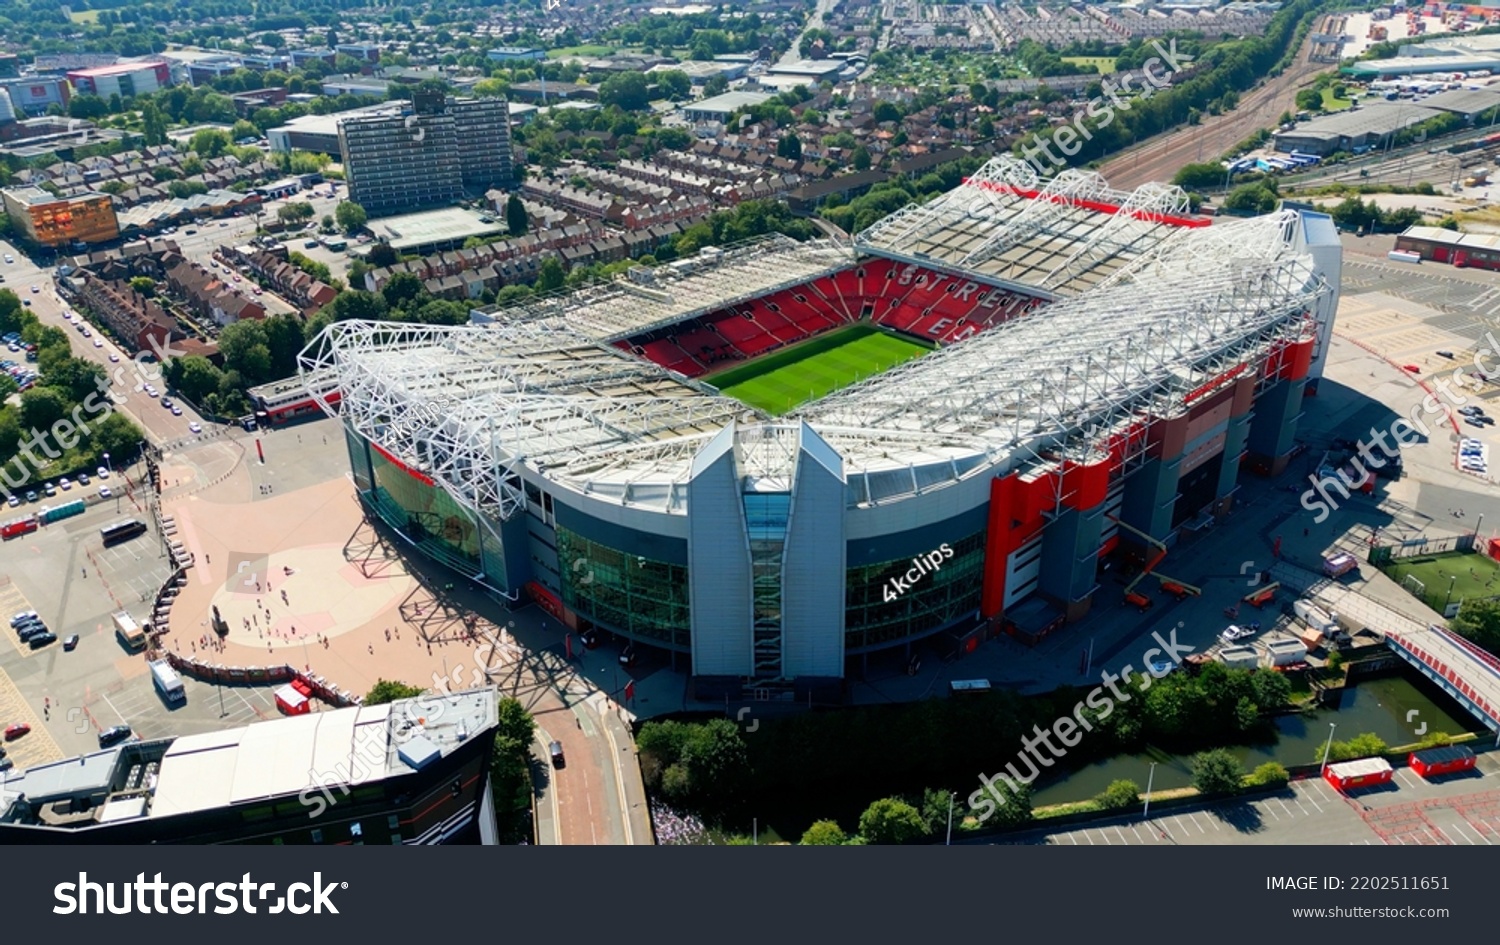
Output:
(1052, 239)
(1169, 308)
(665, 295)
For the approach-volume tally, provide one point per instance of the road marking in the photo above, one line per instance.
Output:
(1463, 833)
(1285, 808)
(118, 714)
(1313, 800)
(1268, 811)
(1137, 833)
(1072, 835)
(1123, 839)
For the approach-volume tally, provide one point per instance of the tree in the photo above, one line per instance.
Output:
(516, 219)
(1270, 774)
(891, 821)
(76, 378)
(153, 125)
(402, 288)
(550, 276)
(144, 286)
(389, 690)
(1199, 176)
(382, 254)
(356, 303)
(43, 406)
(861, 158)
(789, 147)
(1119, 795)
(1217, 772)
(350, 215)
(626, 90)
(1251, 198)
(1479, 621)
(298, 211)
(675, 83)
(510, 774)
(1309, 100)
(117, 436)
(885, 111)
(1272, 691)
(1365, 745)
(442, 312)
(824, 833)
(194, 375)
(210, 143)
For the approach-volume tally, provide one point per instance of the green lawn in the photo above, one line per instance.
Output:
(84, 16)
(1104, 65)
(1472, 575)
(807, 371)
(592, 52)
(1332, 104)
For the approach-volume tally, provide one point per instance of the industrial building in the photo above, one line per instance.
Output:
(1463, 250)
(412, 772)
(40, 218)
(426, 154)
(1106, 367)
(1352, 130)
(124, 79)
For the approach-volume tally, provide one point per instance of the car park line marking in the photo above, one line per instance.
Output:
(1271, 812)
(1458, 829)
(1137, 833)
(1313, 800)
(1194, 818)
(1285, 808)
(1123, 839)
(120, 715)
(1407, 778)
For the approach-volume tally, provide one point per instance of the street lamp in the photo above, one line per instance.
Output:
(1150, 779)
(110, 469)
(1449, 599)
(951, 796)
(1477, 526)
(1327, 747)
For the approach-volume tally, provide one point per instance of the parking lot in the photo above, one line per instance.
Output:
(64, 573)
(209, 708)
(1459, 810)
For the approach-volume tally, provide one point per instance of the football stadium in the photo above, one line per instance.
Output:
(776, 460)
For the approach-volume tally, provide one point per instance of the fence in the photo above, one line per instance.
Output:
(1383, 555)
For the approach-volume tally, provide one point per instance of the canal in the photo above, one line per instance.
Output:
(1395, 708)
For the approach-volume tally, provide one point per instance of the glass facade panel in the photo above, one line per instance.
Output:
(766, 516)
(426, 514)
(934, 600)
(637, 596)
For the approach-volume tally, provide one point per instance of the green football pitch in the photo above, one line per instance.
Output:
(807, 371)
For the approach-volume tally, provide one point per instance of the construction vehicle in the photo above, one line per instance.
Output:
(1178, 589)
(1262, 595)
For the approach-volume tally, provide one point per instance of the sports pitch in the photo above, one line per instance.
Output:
(1470, 575)
(807, 371)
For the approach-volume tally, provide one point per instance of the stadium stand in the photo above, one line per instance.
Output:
(927, 304)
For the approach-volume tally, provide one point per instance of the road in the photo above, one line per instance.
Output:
(127, 378)
(1160, 158)
(815, 21)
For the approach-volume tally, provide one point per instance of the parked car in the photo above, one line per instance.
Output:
(15, 730)
(42, 639)
(113, 735)
(103, 472)
(65, 483)
(22, 617)
(71, 642)
(105, 493)
(195, 427)
(83, 479)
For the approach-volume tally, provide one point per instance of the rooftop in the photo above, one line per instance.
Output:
(1378, 117)
(119, 68)
(431, 227)
(728, 102)
(279, 758)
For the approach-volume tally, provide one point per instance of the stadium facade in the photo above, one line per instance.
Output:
(1099, 358)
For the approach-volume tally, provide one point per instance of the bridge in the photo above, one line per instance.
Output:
(1464, 671)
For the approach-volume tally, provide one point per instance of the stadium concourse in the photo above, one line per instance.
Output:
(1096, 359)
